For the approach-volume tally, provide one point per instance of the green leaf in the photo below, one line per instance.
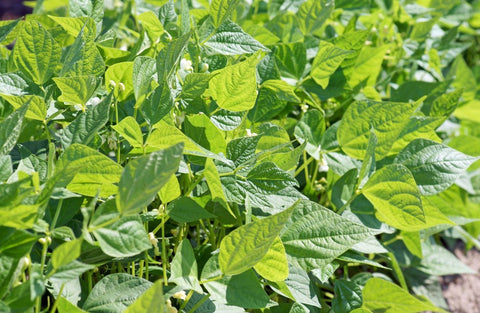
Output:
(114, 293)
(310, 128)
(273, 266)
(186, 210)
(170, 191)
(10, 129)
(344, 188)
(36, 53)
(387, 119)
(234, 88)
(66, 252)
(268, 176)
(86, 125)
(15, 243)
(368, 65)
(142, 78)
(151, 301)
(396, 198)
(230, 39)
(313, 13)
(123, 238)
(158, 104)
(220, 10)
(243, 290)
(90, 8)
(74, 25)
(241, 150)
(6, 27)
(300, 287)
(151, 24)
(434, 166)
(130, 130)
(291, 59)
(201, 130)
(332, 235)
(382, 296)
(184, 271)
(120, 73)
(439, 261)
(76, 90)
(247, 245)
(37, 108)
(65, 306)
(70, 271)
(348, 296)
(143, 178)
(326, 62)
(82, 58)
(169, 57)
(368, 164)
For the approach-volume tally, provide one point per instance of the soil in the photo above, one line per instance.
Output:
(462, 292)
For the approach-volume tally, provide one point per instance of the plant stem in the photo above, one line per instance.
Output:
(398, 271)
(164, 253)
(57, 213)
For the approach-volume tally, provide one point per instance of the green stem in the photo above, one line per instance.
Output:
(38, 303)
(211, 279)
(199, 303)
(340, 211)
(187, 298)
(303, 166)
(398, 271)
(54, 307)
(164, 253)
(57, 213)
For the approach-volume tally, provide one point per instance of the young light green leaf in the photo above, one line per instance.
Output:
(121, 74)
(434, 166)
(65, 306)
(91, 8)
(368, 164)
(367, 66)
(170, 191)
(381, 295)
(230, 39)
(247, 245)
(396, 198)
(151, 24)
(328, 59)
(201, 130)
(36, 53)
(76, 90)
(273, 266)
(109, 294)
(150, 301)
(74, 25)
(184, 267)
(234, 88)
(37, 108)
(332, 235)
(66, 252)
(291, 59)
(130, 130)
(387, 119)
(143, 178)
(123, 238)
(220, 10)
(86, 125)
(313, 13)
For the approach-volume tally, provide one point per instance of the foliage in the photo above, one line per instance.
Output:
(232, 155)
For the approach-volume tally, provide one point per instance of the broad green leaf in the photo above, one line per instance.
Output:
(186, 210)
(150, 301)
(143, 178)
(82, 58)
(283, 90)
(201, 130)
(260, 33)
(6, 167)
(130, 130)
(66, 252)
(184, 267)
(344, 188)
(434, 166)
(65, 306)
(6, 27)
(151, 24)
(368, 164)
(368, 65)
(396, 198)
(268, 176)
(355, 41)
(195, 85)
(273, 266)
(70, 271)
(36, 53)
(123, 238)
(313, 13)
(227, 120)
(300, 287)
(310, 128)
(121, 74)
(169, 58)
(382, 296)
(21, 216)
(86, 171)
(241, 150)
(143, 71)
(267, 105)
(387, 119)
(15, 85)
(247, 245)
(220, 10)
(170, 191)
(214, 184)
(230, 39)
(158, 104)
(76, 90)
(10, 129)
(87, 124)
(417, 127)
(16, 243)
(291, 59)
(74, 25)
(243, 290)
(37, 109)
(326, 62)
(469, 111)
(412, 242)
(439, 261)
(348, 296)
(312, 247)
(90, 8)
(234, 88)
(114, 293)
(8, 274)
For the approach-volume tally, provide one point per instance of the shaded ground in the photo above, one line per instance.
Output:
(12, 9)
(462, 292)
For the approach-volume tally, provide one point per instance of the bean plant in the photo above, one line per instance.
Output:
(277, 156)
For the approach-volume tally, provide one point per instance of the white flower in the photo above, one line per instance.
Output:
(250, 134)
(186, 65)
(180, 295)
(170, 308)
